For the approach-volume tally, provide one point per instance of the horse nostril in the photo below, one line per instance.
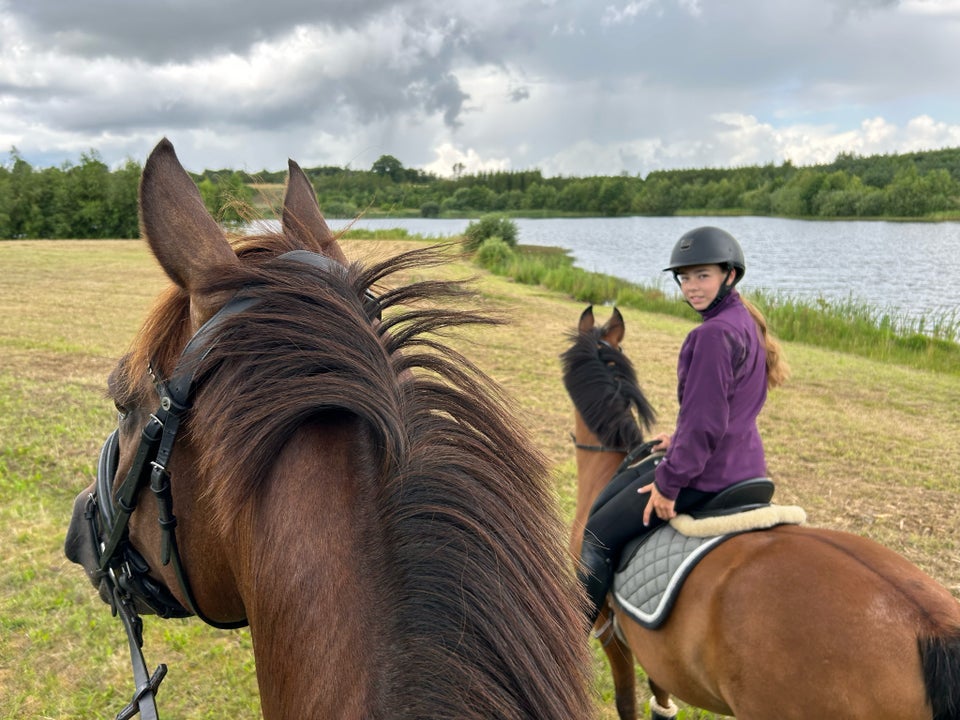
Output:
(71, 544)
(78, 544)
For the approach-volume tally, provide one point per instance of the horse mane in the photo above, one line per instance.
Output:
(603, 386)
(461, 492)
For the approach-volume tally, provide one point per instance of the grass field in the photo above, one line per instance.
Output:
(864, 446)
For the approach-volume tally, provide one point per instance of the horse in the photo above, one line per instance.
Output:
(355, 490)
(789, 622)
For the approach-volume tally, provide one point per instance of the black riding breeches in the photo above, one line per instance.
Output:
(617, 515)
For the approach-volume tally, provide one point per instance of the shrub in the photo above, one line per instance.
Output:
(490, 226)
(339, 209)
(495, 255)
(430, 209)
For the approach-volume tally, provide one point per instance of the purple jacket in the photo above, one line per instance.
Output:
(721, 386)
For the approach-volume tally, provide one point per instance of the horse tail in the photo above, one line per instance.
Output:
(940, 657)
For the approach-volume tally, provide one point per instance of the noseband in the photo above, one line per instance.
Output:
(120, 567)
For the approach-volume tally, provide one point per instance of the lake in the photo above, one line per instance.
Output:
(909, 270)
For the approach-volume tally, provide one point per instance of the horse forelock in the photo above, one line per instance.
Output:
(602, 384)
(468, 528)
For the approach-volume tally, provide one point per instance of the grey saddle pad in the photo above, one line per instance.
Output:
(647, 585)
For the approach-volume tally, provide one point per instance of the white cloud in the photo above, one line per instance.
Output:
(949, 8)
(741, 140)
(925, 133)
(448, 155)
(614, 15)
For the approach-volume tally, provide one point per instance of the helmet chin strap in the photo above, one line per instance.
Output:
(721, 294)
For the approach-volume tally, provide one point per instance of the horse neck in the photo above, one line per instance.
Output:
(594, 470)
(305, 585)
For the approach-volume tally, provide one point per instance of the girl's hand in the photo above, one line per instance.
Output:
(658, 504)
(662, 444)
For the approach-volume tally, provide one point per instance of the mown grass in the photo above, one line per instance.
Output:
(866, 446)
(851, 327)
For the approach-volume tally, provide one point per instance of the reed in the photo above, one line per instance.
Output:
(928, 343)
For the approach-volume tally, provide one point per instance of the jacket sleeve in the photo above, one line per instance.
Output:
(706, 385)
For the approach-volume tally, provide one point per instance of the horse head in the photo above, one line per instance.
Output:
(355, 491)
(194, 252)
(610, 405)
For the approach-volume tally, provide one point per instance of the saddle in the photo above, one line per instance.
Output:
(654, 566)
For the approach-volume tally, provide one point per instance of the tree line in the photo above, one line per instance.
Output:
(89, 200)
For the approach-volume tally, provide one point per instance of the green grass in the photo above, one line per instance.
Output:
(68, 311)
(865, 445)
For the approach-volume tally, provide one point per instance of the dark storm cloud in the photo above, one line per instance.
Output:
(444, 95)
(158, 34)
(180, 30)
(568, 85)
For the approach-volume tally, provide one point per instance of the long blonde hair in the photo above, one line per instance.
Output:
(777, 368)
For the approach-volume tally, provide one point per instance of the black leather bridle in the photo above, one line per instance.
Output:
(120, 566)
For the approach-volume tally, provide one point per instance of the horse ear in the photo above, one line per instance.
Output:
(184, 237)
(614, 329)
(302, 219)
(586, 320)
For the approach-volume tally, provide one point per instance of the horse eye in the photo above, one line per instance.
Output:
(121, 411)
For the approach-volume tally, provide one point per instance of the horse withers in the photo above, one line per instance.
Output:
(790, 622)
(326, 471)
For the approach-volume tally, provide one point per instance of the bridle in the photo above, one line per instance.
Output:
(119, 565)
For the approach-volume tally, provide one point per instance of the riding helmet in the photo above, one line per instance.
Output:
(708, 246)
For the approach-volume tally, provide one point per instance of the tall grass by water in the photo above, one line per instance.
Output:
(851, 327)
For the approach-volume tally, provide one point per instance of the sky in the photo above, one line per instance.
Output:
(569, 87)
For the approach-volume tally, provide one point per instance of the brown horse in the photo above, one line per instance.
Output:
(792, 622)
(350, 487)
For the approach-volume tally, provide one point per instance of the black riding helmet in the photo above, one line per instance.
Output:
(708, 246)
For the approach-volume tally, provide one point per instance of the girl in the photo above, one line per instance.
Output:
(725, 367)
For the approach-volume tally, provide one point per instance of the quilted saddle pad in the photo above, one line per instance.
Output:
(646, 586)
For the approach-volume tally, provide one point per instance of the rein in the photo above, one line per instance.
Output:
(596, 448)
(638, 453)
(121, 568)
